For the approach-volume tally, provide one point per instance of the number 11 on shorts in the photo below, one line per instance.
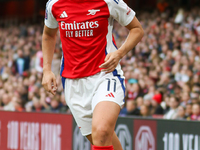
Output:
(110, 84)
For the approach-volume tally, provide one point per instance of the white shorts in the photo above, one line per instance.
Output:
(83, 94)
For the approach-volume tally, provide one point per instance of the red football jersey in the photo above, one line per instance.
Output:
(86, 32)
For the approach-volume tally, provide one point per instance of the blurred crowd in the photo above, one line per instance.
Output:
(21, 71)
(162, 72)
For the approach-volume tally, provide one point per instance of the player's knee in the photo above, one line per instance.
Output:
(101, 130)
(101, 133)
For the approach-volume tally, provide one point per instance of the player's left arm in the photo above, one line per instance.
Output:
(135, 35)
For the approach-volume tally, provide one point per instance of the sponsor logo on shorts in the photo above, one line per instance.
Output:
(110, 95)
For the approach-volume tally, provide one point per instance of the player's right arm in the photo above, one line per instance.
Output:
(48, 47)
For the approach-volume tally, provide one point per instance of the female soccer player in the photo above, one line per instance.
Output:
(91, 75)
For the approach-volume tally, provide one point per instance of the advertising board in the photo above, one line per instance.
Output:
(47, 131)
(35, 131)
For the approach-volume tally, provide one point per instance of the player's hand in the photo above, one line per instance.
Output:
(49, 82)
(111, 62)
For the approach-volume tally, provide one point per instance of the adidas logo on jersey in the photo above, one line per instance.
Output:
(64, 15)
(110, 95)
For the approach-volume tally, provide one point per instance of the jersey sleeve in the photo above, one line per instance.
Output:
(50, 21)
(121, 12)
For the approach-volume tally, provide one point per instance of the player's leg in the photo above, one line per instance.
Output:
(115, 141)
(106, 103)
(89, 137)
(104, 119)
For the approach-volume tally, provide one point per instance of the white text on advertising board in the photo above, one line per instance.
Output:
(32, 135)
(172, 141)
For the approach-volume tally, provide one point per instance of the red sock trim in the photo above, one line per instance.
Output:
(102, 147)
